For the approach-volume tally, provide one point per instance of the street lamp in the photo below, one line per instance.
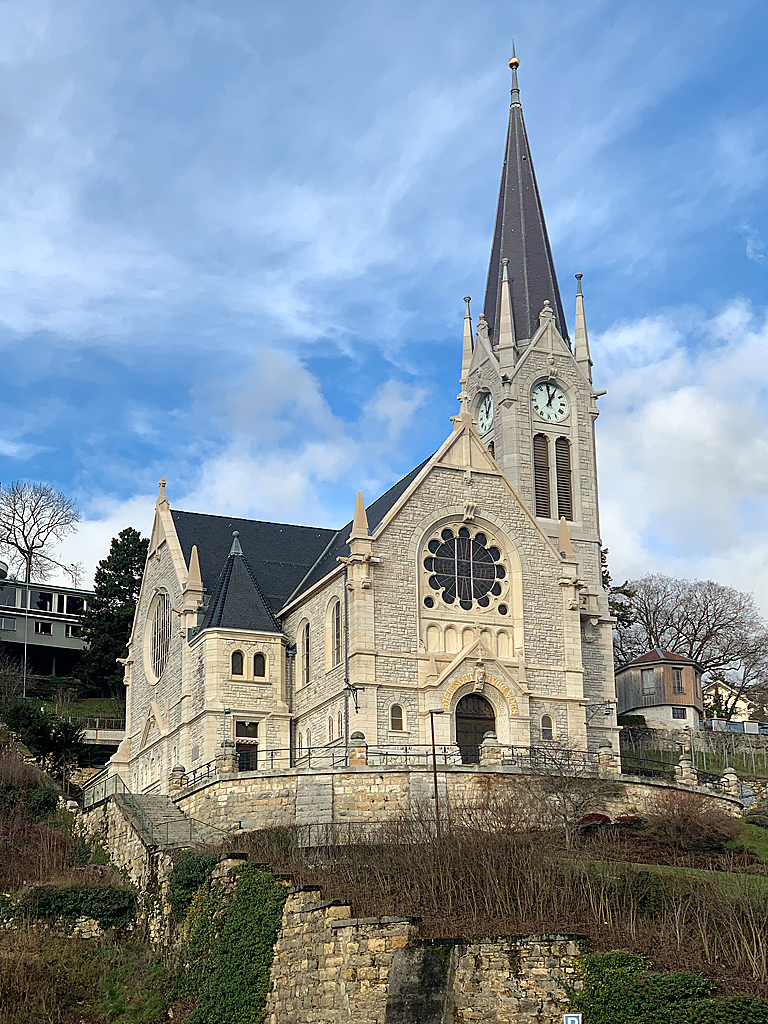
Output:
(432, 713)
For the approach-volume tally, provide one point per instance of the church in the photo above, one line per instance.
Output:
(465, 600)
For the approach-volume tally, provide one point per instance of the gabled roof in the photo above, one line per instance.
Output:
(279, 554)
(338, 546)
(237, 601)
(520, 235)
(659, 654)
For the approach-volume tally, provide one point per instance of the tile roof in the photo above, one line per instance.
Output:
(659, 654)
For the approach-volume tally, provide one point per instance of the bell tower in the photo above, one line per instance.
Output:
(529, 391)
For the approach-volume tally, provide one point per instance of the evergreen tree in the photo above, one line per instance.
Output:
(106, 625)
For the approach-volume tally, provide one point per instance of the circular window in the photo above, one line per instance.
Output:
(464, 567)
(160, 636)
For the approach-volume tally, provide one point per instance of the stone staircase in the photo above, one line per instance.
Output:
(159, 822)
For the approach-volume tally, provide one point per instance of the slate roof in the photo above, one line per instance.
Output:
(237, 601)
(278, 561)
(338, 546)
(279, 554)
(520, 235)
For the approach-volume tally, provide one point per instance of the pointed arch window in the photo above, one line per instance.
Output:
(563, 475)
(541, 475)
(305, 652)
(336, 633)
(330, 728)
(160, 643)
(341, 724)
(237, 663)
(259, 665)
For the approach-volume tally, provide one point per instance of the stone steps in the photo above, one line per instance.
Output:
(161, 823)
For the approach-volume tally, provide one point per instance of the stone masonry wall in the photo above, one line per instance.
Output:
(331, 968)
(371, 795)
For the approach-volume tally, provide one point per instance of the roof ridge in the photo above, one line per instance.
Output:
(243, 519)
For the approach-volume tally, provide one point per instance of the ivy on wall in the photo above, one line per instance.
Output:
(621, 988)
(190, 871)
(231, 941)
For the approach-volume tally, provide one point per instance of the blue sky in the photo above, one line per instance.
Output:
(235, 237)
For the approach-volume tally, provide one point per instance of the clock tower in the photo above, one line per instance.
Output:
(529, 386)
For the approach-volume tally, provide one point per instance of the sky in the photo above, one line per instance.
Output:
(235, 238)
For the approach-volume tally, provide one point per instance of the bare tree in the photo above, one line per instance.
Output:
(719, 627)
(10, 679)
(32, 518)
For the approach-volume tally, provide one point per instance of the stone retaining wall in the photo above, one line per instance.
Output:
(331, 968)
(368, 795)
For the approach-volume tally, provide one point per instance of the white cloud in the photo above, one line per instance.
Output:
(755, 247)
(683, 446)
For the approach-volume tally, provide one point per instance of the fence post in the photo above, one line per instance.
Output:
(731, 782)
(684, 771)
(606, 762)
(490, 750)
(358, 750)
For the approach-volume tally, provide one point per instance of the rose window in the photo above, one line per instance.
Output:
(464, 567)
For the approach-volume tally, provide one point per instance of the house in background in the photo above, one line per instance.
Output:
(49, 617)
(663, 687)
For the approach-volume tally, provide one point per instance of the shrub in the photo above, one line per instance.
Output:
(759, 818)
(633, 821)
(112, 906)
(594, 819)
(620, 988)
(689, 821)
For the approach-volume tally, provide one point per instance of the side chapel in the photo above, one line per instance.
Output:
(471, 587)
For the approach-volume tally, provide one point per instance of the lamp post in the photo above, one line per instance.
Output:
(432, 713)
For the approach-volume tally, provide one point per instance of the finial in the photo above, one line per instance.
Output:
(514, 64)
(235, 549)
(504, 272)
(467, 300)
(578, 283)
(161, 485)
(360, 520)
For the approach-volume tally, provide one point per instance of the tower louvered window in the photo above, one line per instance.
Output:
(563, 473)
(541, 475)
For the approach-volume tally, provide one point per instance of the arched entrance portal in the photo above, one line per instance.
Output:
(474, 718)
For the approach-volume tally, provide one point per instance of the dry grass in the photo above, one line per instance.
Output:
(476, 881)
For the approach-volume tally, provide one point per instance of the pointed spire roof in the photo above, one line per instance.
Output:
(360, 521)
(580, 337)
(237, 601)
(520, 235)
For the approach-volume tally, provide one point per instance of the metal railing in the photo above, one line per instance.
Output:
(114, 724)
(100, 788)
(531, 760)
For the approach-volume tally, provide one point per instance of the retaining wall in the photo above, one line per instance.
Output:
(331, 968)
(368, 795)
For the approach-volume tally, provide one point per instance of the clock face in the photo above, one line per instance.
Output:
(549, 401)
(485, 414)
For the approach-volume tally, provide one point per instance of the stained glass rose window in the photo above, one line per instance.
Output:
(464, 568)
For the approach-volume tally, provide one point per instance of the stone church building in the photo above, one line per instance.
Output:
(471, 588)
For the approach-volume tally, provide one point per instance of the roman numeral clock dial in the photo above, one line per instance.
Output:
(549, 401)
(485, 414)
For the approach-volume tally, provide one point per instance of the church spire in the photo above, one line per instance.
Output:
(520, 235)
(580, 339)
